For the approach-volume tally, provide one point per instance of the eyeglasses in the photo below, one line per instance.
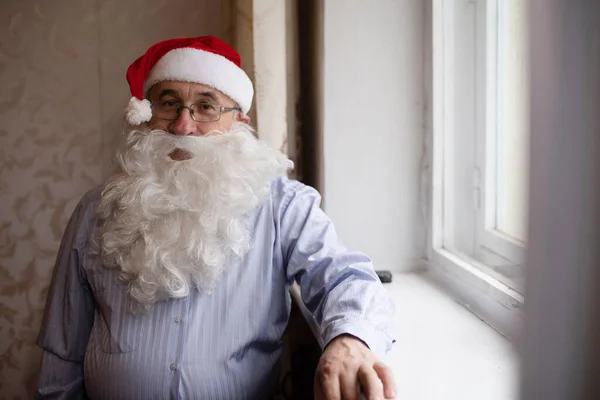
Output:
(200, 112)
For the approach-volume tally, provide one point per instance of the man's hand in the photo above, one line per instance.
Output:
(347, 368)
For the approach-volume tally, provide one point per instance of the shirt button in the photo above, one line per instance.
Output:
(177, 320)
(173, 367)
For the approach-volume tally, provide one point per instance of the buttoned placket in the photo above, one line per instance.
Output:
(182, 310)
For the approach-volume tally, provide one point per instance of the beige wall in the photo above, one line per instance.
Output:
(262, 31)
(270, 71)
(62, 92)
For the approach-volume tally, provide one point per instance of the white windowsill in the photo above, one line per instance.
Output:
(442, 350)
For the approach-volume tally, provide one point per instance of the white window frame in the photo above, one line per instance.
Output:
(488, 237)
(473, 283)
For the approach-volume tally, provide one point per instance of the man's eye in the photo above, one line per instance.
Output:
(170, 103)
(207, 107)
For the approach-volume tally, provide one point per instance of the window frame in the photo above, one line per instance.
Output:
(472, 283)
(487, 236)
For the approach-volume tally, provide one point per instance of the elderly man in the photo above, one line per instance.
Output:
(172, 280)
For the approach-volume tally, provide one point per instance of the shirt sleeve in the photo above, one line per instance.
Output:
(68, 318)
(339, 287)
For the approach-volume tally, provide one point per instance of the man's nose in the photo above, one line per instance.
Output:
(184, 124)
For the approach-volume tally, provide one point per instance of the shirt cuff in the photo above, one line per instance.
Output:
(378, 341)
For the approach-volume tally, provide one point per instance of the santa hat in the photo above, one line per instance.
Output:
(206, 60)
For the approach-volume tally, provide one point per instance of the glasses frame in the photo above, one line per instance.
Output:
(222, 110)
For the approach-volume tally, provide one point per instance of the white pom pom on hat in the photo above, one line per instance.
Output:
(206, 60)
(138, 111)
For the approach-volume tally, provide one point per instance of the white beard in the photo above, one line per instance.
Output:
(171, 225)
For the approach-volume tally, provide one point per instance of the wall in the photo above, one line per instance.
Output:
(62, 74)
(373, 127)
(271, 71)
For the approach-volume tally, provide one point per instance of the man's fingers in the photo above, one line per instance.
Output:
(318, 391)
(327, 385)
(349, 387)
(370, 383)
(387, 378)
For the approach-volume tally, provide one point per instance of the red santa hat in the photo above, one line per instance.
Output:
(206, 60)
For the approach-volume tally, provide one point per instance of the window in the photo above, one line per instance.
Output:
(480, 157)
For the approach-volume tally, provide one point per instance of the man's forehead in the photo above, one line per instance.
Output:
(186, 89)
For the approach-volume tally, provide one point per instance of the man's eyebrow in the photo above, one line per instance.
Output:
(172, 92)
(167, 92)
(210, 95)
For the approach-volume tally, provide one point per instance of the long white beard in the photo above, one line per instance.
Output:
(172, 225)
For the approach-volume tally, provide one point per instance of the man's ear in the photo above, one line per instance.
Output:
(243, 118)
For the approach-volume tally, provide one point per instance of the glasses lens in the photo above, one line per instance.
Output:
(206, 112)
(166, 109)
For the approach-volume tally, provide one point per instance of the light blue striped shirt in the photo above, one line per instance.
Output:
(226, 345)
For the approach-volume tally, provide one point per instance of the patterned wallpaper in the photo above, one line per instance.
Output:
(63, 89)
